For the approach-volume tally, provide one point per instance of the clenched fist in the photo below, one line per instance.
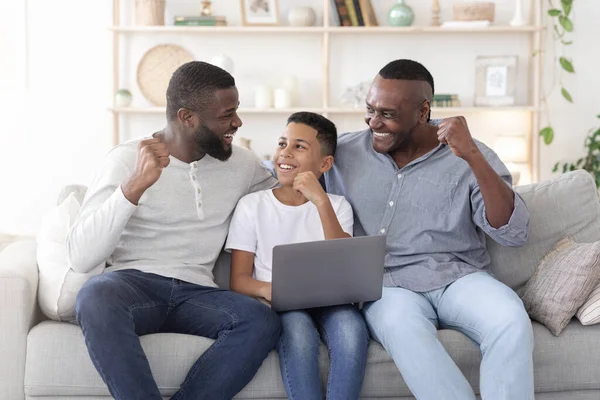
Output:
(308, 184)
(152, 157)
(454, 132)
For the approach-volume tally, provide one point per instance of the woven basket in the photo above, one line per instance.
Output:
(156, 68)
(149, 12)
(474, 12)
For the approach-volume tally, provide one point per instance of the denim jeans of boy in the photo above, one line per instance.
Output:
(346, 336)
(115, 308)
(477, 305)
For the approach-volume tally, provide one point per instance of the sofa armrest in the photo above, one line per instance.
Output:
(18, 313)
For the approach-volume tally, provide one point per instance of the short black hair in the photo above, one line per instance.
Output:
(407, 70)
(193, 85)
(326, 130)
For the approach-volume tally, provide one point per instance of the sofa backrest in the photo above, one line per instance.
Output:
(566, 205)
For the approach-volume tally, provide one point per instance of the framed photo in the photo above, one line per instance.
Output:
(260, 12)
(496, 81)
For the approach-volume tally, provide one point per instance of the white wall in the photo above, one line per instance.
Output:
(57, 130)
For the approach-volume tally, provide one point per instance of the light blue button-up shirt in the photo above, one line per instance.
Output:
(431, 210)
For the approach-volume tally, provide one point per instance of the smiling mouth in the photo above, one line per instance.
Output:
(229, 135)
(286, 167)
(381, 135)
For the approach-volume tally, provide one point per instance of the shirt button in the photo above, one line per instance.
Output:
(399, 176)
(198, 190)
(193, 177)
(199, 204)
(391, 203)
(382, 231)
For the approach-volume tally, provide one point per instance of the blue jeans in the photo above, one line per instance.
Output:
(477, 305)
(345, 334)
(115, 308)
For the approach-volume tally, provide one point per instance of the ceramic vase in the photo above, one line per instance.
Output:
(401, 14)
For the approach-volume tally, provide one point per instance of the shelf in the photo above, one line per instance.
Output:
(320, 29)
(216, 29)
(161, 110)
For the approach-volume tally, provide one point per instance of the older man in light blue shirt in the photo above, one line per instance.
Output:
(435, 192)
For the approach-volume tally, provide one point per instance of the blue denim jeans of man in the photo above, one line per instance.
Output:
(479, 306)
(115, 308)
(346, 336)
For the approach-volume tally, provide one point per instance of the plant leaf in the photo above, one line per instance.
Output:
(555, 168)
(554, 12)
(548, 134)
(566, 43)
(566, 5)
(598, 115)
(566, 64)
(566, 23)
(566, 95)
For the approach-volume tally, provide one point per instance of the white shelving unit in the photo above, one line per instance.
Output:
(533, 33)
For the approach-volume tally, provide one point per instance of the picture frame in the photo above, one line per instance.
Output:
(260, 12)
(496, 81)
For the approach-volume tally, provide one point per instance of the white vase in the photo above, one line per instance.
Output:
(518, 19)
(263, 97)
(283, 98)
(302, 16)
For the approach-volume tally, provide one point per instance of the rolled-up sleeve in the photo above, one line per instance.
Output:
(514, 233)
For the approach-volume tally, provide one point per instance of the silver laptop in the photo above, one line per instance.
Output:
(327, 272)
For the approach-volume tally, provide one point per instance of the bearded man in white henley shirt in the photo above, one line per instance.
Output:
(436, 192)
(158, 213)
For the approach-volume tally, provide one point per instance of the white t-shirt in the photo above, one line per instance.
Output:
(261, 222)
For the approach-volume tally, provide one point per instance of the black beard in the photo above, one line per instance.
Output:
(208, 141)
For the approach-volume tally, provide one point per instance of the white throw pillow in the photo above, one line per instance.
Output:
(589, 312)
(59, 284)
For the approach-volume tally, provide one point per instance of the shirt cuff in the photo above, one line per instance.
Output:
(517, 223)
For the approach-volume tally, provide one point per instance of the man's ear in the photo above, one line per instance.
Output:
(326, 164)
(187, 118)
(425, 112)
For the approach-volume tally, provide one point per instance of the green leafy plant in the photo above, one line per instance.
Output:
(591, 161)
(562, 26)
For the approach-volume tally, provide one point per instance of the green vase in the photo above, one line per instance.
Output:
(401, 14)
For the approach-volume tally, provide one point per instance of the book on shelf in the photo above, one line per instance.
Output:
(353, 13)
(446, 100)
(200, 20)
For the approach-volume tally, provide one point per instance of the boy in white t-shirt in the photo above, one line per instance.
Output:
(300, 211)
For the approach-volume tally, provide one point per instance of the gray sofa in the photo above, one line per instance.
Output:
(41, 359)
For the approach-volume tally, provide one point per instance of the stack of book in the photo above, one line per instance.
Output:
(352, 13)
(200, 20)
(445, 100)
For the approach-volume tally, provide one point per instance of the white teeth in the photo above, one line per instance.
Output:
(228, 136)
(381, 135)
(286, 166)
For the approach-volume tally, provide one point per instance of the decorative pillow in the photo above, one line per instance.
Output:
(589, 313)
(562, 282)
(58, 284)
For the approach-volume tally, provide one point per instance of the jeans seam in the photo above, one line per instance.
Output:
(285, 368)
(95, 361)
(326, 337)
(195, 367)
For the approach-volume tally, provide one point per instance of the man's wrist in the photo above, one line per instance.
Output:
(133, 191)
(474, 157)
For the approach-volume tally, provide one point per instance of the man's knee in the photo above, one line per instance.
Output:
(259, 318)
(513, 323)
(97, 295)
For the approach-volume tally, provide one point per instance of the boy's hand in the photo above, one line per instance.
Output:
(308, 184)
(266, 290)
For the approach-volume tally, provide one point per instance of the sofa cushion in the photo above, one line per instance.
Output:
(565, 206)
(58, 363)
(562, 283)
